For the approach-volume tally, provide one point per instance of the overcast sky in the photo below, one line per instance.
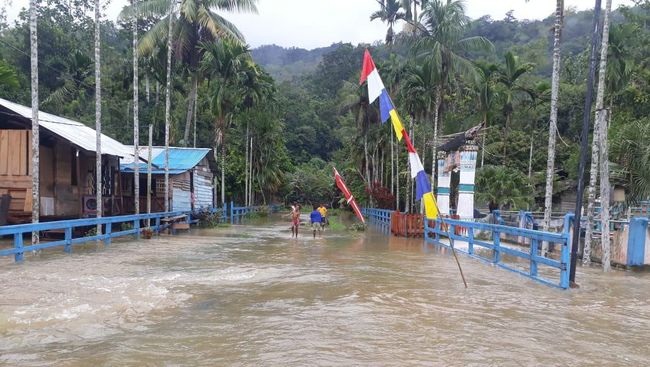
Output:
(317, 23)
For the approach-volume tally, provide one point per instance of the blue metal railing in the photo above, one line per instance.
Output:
(238, 212)
(68, 226)
(378, 217)
(455, 230)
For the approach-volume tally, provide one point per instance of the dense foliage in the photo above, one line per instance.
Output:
(305, 111)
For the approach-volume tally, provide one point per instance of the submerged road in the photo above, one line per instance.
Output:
(251, 295)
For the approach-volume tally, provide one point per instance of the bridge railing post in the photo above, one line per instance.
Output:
(496, 239)
(68, 240)
(136, 227)
(18, 244)
(534, 245)
(470, 247)
(108, 233)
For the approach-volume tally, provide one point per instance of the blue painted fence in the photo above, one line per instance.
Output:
(636, 241)
(378, 217)
(19, 231)
(239, 212)
(436, 230)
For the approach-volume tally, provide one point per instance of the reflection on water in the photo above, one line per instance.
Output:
(250, 295)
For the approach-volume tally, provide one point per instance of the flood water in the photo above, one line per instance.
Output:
(251, 295)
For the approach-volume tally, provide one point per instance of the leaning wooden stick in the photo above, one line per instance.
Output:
(451, 245)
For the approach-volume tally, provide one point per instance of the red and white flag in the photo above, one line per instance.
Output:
(348, 195)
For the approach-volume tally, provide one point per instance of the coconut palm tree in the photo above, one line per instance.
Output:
(226, 63)
(168, 101)
(509, 76)
(33, 14)
(136, 127)
(486, 96)
(98, 114)
(602, 122)
(619, 70)
(443, 27)
(198, 22)
(552, 132)
(389, 12)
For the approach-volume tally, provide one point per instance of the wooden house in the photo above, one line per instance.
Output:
(190, 179)
(67, 166)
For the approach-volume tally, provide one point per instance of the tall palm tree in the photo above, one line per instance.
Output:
(33, 30)
(443, 27)
(168, 101)
(486, 96)
(552, 132)
(619, 69)
(226, 62)
(389, 12)
(602, 122)
(98, 115)
(198, 21)
(509, 76)
(136, 125)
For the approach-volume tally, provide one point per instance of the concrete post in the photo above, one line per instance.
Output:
(444, 185)
(468, 156)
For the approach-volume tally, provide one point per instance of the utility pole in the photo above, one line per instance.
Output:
(584, 141)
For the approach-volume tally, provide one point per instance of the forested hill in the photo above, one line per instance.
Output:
(533, 38)
(285, 63)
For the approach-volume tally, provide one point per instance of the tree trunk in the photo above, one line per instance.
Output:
(591, 196)
(191, 101)
(246, 166)
(196, 122)
(136, 124)
(98, 115)
(397, 177)
(147, 88)
(367, 166)
(168, 100)
(505, 140)
(149, 159)
(36, 185)
(250, 174)
(552, 132)
(436, 123)
(530, 154)
(223, 167)
(602, 117)
(392, 163)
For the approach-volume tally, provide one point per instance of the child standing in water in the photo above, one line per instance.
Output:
(316, 221)
(295, 219)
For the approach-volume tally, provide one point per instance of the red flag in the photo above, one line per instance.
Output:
(368, 66)
(348, 196)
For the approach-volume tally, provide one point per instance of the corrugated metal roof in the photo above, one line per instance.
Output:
(180, 159)
(70, 130)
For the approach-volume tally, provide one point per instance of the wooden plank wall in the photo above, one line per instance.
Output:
(15, 170)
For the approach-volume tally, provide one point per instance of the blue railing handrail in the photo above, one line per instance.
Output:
(536, 238)
(62, 224)
(19, 230)
(237, 212)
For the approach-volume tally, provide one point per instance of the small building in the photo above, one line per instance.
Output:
(67, 166)
(190, 179)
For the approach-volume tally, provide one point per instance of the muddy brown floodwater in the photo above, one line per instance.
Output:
(250, 295)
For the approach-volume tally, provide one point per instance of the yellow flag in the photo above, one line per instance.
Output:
(430, 205)
(397, 124)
